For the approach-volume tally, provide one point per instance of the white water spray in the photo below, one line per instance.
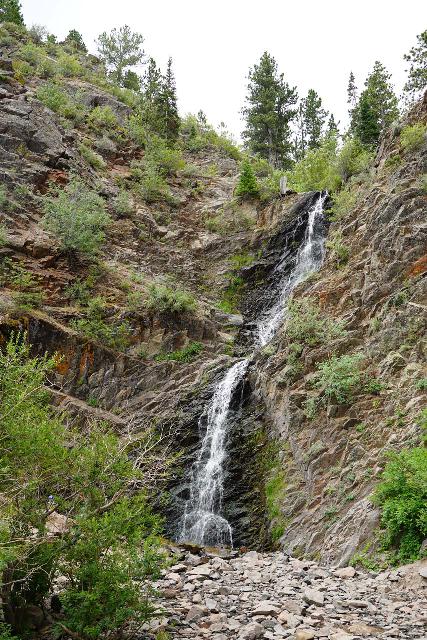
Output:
(202, 522)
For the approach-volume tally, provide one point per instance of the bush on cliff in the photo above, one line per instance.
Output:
(402, 496)
(77, 216)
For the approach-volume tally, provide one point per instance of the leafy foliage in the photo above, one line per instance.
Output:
(247, 184)
(75, 40)
(402, 496)
(340, 378)
(77, 216)
(413, 136)
(166, 300)
(187, 354)
(307, 324)
(109, 536)
(94, 326)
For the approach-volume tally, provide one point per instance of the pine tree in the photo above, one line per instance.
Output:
(131, 80)
(310, 123)
(152, 83)
(75, 40)
(171, 117)
(120, 49)
(417, 56)
(381, 96)
(247, 185)
(352, 100)
(367, 128)
(314, 118)
(332, 126)
(11, 11)
(300, 142)
(268, 113)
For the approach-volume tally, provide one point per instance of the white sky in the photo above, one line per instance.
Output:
(316, 43)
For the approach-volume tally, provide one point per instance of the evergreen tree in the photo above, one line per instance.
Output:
(300, 142)
(131, 80)
(310, 123)
(11, 11)
(352, 95)
(417, 57)
(332, 126)
(247, 185)
(171, 117)
(120, 49)
(381, 95)
(152, 83)
(75, 40)
(377, 107)
(269, 112)
(314, 118)
(367, 127)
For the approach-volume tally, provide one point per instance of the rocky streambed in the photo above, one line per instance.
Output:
(274, 596)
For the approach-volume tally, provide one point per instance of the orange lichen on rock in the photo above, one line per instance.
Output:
(418, 267)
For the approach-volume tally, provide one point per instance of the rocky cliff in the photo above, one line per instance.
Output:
(322, 458)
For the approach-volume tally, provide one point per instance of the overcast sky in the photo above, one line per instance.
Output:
(213, 44)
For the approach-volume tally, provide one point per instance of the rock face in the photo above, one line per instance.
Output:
(273, 596)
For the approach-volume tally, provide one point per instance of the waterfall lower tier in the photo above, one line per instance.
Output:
(203, 521)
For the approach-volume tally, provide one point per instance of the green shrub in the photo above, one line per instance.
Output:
(247, 185)
(413, 136)
(3, 235)
(31, 53)
(308, 325)
(187, 354)
(269, 186)
(46, 68)
(94, 326)
(136, 129)
(341, 378)
(22, 70)
(103, 118)
(197, 134)
(317, 170)
(342, 203)
(77, 216)
(27, 300)
(122, 203)
(402, 496)
(166, 300)
(161, 157)
(91, 157)
(108, 551)
(340, 251)
(4, 198)
(56, 99)
(353, 159)
(232, 295)
(69, 66)
(151, 186)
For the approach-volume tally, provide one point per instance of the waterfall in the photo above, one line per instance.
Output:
(202, 522)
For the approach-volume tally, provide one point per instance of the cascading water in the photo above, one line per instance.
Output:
(202, 522)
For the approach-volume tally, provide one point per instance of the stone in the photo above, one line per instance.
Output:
(304, 634)
(364, 630)
(195, 613)
(265, 608)
(251, 631)
(311, 596)
(211, 604)
(57, 523)
(202, 571)
(345, 572)
(423, 572)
